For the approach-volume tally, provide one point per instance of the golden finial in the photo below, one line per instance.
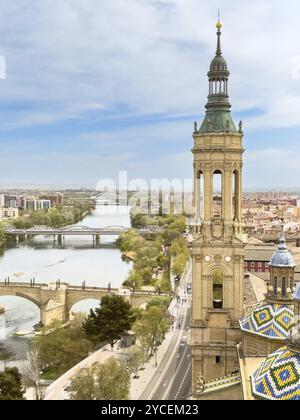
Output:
(219, 24)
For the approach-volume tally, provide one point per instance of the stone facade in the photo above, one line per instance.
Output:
(218, 247)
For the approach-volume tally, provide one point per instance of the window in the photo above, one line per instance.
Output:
(283, 287)
(218, 289)
(259, 264)
(200, 195)
(235, 194)
(218, 360)
(217, 193)
(275, 285)
(267, 265)
(253, 264)
(292, 284)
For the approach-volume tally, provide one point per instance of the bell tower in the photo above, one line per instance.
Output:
(219, 242)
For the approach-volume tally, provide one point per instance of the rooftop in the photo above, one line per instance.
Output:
(269, 320)
(278, 377)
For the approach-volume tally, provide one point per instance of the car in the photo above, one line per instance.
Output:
(183, 341)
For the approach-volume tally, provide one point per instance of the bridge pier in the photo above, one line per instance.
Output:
(59, 239)
(50, 315)
(98, 240)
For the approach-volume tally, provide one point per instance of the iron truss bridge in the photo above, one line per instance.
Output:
(79, 231)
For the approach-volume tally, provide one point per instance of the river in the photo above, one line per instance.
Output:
(73, 262)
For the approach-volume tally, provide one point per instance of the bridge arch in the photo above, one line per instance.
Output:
(84, 306)
(76, 296)
(25, 313)
(30, 295)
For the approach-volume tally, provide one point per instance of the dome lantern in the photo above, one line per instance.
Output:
(282, 271)
(218, 117)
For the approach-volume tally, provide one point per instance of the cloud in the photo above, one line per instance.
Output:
(270, 168)
(122, 80)
(152, 56)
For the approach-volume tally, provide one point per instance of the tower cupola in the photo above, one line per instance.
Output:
(218, 118)
(282, 268)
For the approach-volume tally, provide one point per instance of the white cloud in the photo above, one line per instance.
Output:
(147, 58)
(151, 56)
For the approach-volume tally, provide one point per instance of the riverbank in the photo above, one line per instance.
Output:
(76, 261)
(155, 260)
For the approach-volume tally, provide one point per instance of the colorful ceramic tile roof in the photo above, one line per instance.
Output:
(278, 378)
(272, 321)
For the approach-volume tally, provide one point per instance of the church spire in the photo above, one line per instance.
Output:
(218, 118)
(219, 33)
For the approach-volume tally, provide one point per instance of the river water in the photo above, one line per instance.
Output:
(73, 262)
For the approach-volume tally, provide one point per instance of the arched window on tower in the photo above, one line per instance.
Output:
(217, 278)
(292, 285)
(283, 287)
(218, 193)
(235, 191)
(275, 285)
(200, 195)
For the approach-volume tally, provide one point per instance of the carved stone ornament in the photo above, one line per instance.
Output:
(217, 229)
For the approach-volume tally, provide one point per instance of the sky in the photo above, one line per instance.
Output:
(93, 87)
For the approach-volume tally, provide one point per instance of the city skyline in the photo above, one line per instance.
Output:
(83, 93)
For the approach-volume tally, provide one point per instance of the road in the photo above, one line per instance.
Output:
(172, 380)
(180, 381)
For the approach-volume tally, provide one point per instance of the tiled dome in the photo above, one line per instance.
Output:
(272, 321)
(278, 378)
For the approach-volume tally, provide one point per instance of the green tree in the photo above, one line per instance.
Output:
(108, 322)
(11, 385)
(62, 349)
(139, 220)
(152, 328)
(179, 265)
(109, 381)
(56, 218)
(163, 302)
(2, 234)
(130, 241)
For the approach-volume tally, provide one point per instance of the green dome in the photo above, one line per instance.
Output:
(218, 118)
(218, 64)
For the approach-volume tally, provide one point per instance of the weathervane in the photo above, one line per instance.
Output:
(219, 24)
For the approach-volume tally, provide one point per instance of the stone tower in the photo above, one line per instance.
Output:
(218, 247)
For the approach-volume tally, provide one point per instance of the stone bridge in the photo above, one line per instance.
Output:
(55, 301)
